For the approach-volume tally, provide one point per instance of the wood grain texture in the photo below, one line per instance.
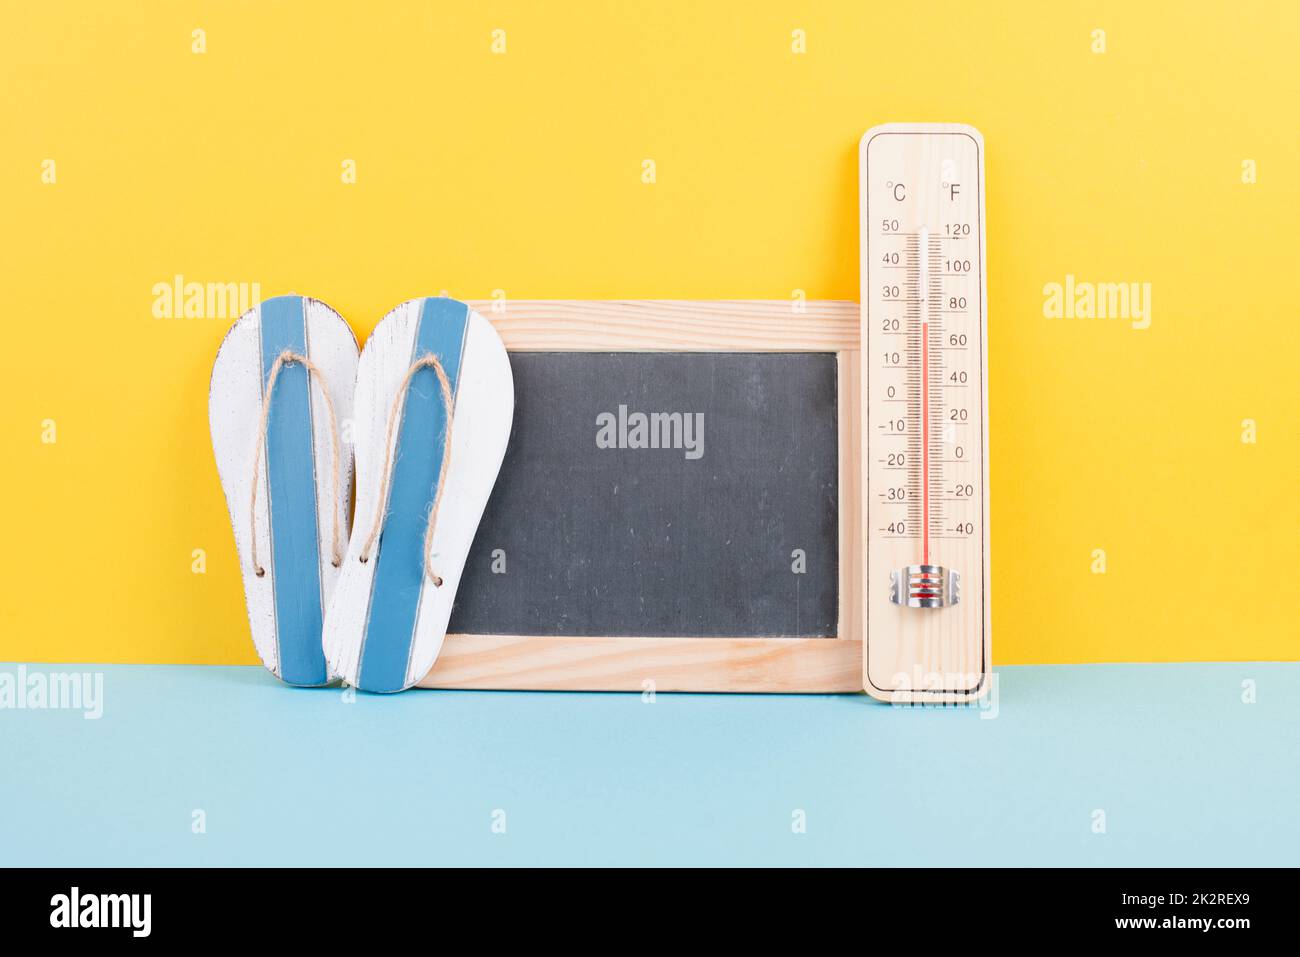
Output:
(524, 663)
(670, 325)
(925, 487)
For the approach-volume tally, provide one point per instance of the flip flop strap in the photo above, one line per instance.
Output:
(283, 359)
(426, 361)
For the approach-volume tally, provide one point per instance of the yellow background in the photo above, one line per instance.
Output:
(522, 172)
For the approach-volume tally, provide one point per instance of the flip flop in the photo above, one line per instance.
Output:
(434, 405)
(281, 385)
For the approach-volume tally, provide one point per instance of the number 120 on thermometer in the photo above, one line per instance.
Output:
(924, 417)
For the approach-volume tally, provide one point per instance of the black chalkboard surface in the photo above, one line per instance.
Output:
(662, 494)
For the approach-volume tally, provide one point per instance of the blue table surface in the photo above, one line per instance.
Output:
(1179, 768)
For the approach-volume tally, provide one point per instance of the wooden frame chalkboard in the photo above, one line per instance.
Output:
(740, 664)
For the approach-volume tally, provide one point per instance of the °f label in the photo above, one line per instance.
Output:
(925, 433)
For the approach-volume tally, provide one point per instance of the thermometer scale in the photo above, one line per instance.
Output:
(925, 433)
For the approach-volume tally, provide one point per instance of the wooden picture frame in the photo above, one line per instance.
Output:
(830, 664)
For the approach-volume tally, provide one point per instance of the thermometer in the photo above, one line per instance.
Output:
(924, 416)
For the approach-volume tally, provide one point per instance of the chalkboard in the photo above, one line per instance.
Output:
(662, 494)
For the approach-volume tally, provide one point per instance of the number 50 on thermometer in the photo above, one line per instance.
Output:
(925, 414)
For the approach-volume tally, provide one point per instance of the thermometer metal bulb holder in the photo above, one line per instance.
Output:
(925, 586)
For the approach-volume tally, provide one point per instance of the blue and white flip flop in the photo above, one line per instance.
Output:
(433, 409)
(281, 385)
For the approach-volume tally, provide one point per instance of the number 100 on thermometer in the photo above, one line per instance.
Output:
(924, 422)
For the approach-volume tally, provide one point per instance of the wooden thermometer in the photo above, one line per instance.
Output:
(925, 414)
